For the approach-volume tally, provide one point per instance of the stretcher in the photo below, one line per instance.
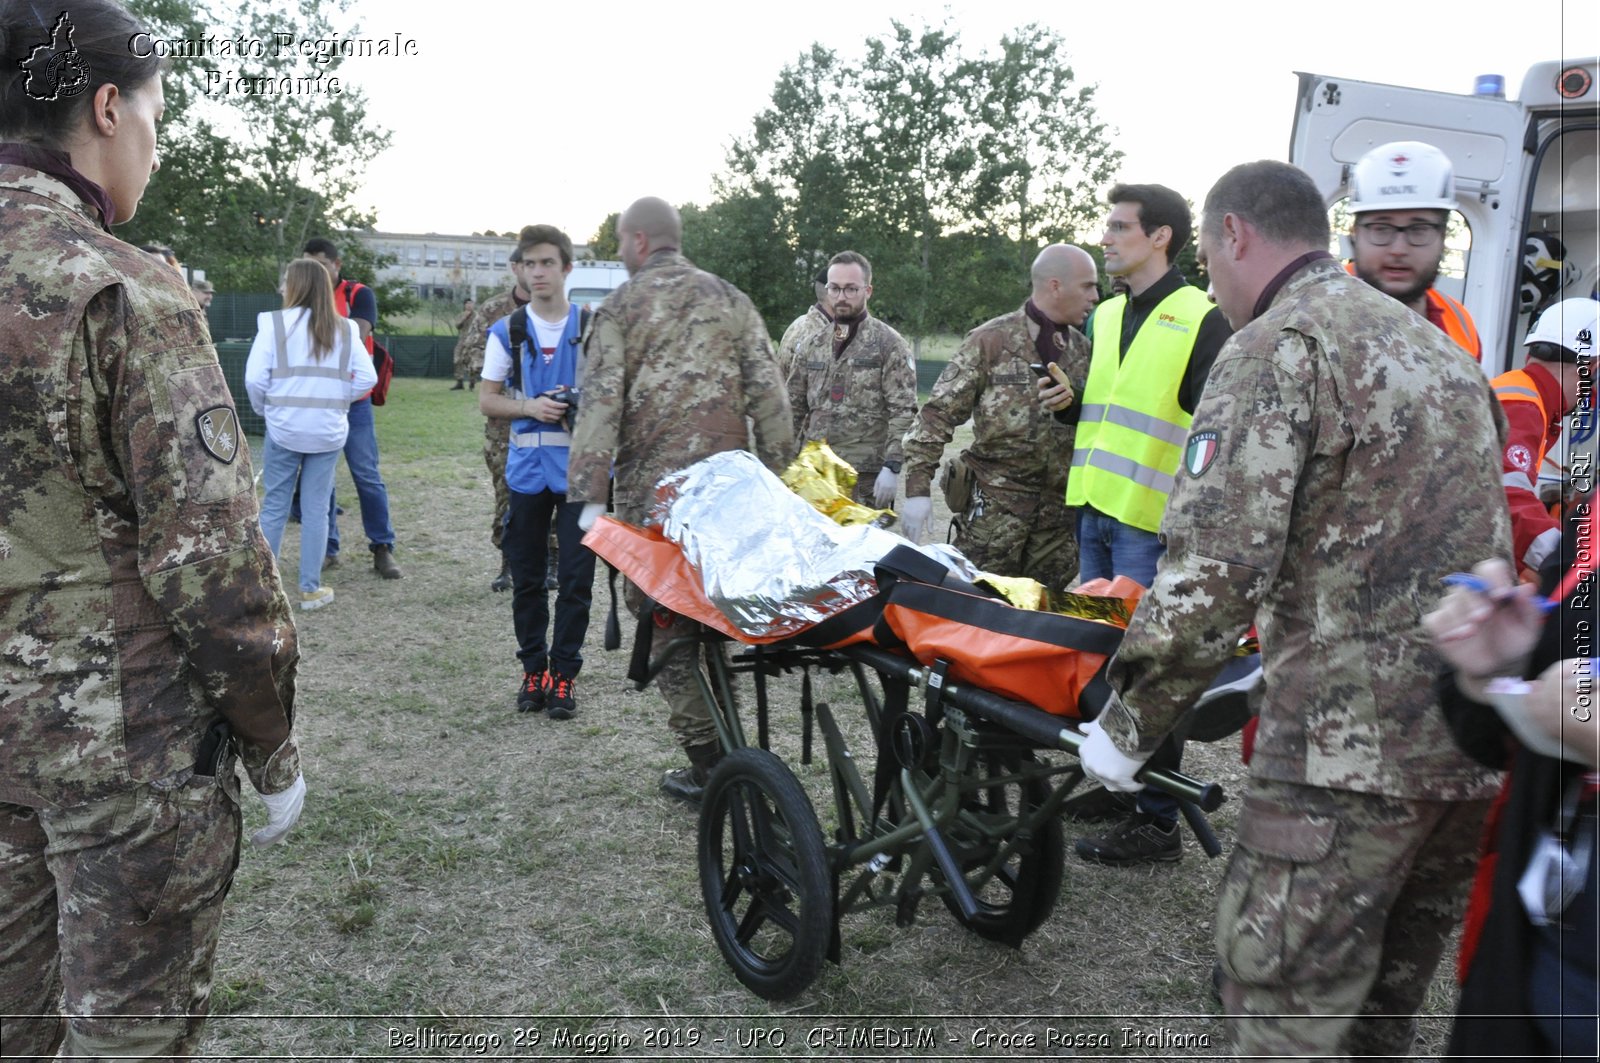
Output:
(957, 802)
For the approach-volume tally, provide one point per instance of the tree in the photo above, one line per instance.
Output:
(248, 176)
(603, 244)
(947, 170)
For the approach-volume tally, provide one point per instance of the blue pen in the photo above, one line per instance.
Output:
(1475, 583)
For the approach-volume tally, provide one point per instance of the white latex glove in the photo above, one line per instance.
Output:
(914, 516)
(591, 513)
(283, 811)
(883, 490)
(1103, 762)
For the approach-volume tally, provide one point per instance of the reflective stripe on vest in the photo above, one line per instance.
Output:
(541, 439)
(1131, 430)
(1458, 324)
(282, 370)
(1518, 386)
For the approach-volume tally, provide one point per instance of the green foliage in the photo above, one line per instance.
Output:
(247, 179)
(603, 244)
(948, 170)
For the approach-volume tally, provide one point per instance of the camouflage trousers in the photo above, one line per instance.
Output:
(467, 367)
(1332, 916)
(118, 903)
(496, 442)
(1043, 547)
(681, 676)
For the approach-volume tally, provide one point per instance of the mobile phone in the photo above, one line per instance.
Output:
(1040, 370)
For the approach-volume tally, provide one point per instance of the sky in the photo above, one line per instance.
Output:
(564, 112)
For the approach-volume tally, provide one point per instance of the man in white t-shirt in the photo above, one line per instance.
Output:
(530, 373)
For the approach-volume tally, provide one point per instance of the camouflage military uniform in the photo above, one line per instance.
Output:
(496, 430)
(1342, 460)
(139, 604)
(462, 357)
(677, 360)
(861, 401)
(1017, 523)
(801, 331)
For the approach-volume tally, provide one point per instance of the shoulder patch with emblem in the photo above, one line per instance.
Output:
(1200, 452)
(218, 428)
(1519, 457)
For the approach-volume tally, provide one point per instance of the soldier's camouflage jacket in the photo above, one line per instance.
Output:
(1020, 454)
(138, 598)
(861, 402)
(801, 331)
(1343, 459)
(476, 337)
(676, 360)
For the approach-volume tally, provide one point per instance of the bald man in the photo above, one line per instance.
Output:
(1015, 523)
(677, 361)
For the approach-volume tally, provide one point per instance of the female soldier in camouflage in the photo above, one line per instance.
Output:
(145, 642)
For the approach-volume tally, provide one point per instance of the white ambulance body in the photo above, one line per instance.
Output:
(1525, 165)
(590, 282)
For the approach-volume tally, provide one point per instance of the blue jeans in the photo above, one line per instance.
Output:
(361, 455)
(280, 469)
(1108, 548)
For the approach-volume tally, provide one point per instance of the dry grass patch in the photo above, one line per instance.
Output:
(459, 860)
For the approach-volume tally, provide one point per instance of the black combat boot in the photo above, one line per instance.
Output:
(689, 784)
(502, 582)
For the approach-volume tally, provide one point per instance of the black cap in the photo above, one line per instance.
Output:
(822, 275)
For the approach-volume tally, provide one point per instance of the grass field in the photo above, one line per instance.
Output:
(470, 881)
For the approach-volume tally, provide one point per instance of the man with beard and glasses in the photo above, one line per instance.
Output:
(855, 385)
(1401, 195)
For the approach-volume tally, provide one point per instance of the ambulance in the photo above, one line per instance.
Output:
(1527, 190)
(590, 282)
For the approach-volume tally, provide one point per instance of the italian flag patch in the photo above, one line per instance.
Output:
(1200, 453)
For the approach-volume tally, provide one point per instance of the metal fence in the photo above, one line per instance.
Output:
(233, 326)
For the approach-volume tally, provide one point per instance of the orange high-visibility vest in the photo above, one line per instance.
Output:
(1458, 324)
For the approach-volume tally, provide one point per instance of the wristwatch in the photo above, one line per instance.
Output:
(893, 466)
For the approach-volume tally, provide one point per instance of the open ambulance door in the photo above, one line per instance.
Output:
(1336, 121)
(1523, 167)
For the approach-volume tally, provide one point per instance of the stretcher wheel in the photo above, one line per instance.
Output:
(1020, 895)
(764, 874)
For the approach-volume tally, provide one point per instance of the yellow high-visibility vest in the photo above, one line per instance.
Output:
(1132, 430)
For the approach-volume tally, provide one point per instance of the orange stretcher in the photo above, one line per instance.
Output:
(962, 802)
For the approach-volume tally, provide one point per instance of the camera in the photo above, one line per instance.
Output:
(564, 394)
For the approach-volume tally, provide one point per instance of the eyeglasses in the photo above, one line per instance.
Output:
(852, 290)
(1418, 234)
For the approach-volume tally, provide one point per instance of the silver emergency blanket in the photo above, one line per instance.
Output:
(768, 561)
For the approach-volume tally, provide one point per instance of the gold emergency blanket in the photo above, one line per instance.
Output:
(827, 481)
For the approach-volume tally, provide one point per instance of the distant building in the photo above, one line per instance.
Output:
(445, 266)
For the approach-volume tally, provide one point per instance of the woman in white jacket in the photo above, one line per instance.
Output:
(305, 368)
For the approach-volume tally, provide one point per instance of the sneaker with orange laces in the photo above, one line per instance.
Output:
(532, 693)
(560, 704)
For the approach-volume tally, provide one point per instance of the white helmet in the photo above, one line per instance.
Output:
(1403, 175)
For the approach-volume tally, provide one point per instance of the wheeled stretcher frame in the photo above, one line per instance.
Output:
(958, 805)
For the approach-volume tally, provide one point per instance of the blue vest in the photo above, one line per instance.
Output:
(537, 458)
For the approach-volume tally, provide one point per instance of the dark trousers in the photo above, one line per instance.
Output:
(526, 548)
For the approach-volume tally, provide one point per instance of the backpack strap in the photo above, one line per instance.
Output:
(518, 327)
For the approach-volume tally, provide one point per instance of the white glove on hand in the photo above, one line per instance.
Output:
(591, 513)
(283, 811)
(883, 490)
(1107, 765)
(914, 516)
